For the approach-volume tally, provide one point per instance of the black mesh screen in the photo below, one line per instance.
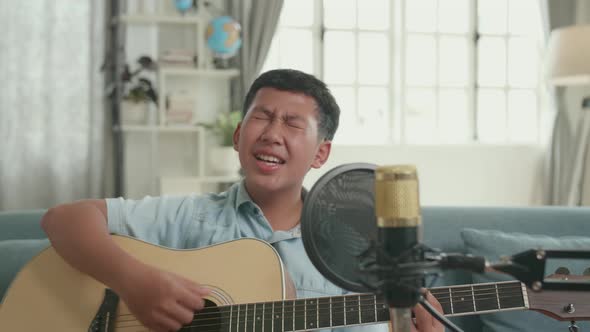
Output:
(339, 227)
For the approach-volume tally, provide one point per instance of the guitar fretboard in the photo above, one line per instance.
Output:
(347, 310)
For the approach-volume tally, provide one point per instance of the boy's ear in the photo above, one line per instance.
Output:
(322, 154)
(236, 138)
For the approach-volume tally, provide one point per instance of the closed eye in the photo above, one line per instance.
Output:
(295, 125)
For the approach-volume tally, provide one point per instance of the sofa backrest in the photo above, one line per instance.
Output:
(443, 225)
(18, 225)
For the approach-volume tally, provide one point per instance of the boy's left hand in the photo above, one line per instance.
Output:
(424, 321)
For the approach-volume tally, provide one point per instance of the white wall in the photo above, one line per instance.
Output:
(468, 175)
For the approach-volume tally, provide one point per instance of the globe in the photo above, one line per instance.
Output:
(223, 36)
(183, 5)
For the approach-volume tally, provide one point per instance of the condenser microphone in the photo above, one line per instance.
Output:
(397, 210)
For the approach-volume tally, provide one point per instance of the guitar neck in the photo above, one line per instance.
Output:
(357, 309)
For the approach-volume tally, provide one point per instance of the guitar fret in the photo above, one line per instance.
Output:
(359, 308)
(473, 298)
(344, 304)
(267, 317)
(283, 316)
(451, 300)
(256, 318)
(375, 305)
(231, 309)
(311, 308)
(277, 321)
(331, 322)
(497, 295)
(324, 313)
(299, 319)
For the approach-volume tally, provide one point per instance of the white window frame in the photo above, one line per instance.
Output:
(397, 84)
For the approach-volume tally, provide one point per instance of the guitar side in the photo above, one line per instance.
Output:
(50, 295)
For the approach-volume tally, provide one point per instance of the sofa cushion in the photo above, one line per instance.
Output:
(493, 244)
(13, 255)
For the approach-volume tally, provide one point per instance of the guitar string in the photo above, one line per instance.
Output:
(299, 308)
(437, 292)
(297, 313)
(516, 293)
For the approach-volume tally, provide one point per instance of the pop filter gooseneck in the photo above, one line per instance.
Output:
(338, 225)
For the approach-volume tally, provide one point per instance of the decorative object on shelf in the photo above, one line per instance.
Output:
(223, 38)
(178, 58)
(223, 159)
(180, 108)
(184, 6)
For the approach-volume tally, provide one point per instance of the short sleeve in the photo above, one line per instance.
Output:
(165, 220)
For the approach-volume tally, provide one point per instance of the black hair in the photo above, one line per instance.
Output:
(300, 82)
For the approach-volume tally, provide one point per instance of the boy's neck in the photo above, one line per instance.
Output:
(281, 209)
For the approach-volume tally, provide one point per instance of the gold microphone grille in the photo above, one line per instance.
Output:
(396, 196)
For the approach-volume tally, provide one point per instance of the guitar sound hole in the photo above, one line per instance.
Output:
(208, 319)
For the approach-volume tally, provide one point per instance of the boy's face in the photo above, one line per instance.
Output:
(278, 140)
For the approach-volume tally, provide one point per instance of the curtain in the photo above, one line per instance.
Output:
(259, 20)
(567, 152)
(51, 102)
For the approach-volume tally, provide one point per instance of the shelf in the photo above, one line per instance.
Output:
(159, 19)
(142, 128)
(183, 71)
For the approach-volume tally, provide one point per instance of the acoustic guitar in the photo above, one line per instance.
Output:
(248, 293)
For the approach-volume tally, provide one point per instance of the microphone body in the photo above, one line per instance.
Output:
(399, 222)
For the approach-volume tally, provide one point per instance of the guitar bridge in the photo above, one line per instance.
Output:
(104, 319)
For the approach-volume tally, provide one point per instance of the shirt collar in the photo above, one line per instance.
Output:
(242, 195)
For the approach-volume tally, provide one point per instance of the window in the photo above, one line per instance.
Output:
(421, 71)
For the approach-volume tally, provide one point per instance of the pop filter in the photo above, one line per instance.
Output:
(339, 228)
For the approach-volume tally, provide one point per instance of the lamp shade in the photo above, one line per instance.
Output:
(568, 56)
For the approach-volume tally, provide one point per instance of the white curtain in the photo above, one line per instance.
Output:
(259, 20)
(51, 102)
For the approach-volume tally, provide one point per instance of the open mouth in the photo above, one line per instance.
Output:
(269, 159)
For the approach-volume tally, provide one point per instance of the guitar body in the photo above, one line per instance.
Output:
(50, 295)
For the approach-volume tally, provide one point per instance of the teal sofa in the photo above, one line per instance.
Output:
(443, 229)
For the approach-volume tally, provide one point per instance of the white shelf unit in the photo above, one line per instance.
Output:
(161, 158)
(159, 19)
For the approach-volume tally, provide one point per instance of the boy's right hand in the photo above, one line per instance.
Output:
(160, 300)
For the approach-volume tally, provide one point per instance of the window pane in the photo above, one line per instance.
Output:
(373, 58)
(453, 121)
(492, 16)
(523, 62)
(373, 14)
(373, 116)
(346, 99)
(339, 57)
(297, 13)
(453, 62)
(300, 57)
(339, 14)
(491, 115)
(420, 15)
(491, 66)
(420, 60)
(420, 116)
(522, 116)
(453, 16)
(524, 17)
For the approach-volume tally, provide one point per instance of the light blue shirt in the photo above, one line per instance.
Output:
(195, 221)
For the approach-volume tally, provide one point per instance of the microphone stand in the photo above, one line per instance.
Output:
(401, 319)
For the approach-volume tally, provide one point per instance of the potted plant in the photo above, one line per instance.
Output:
(139, 94)
(223, 159)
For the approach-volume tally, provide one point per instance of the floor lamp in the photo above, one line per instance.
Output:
(568, 64)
